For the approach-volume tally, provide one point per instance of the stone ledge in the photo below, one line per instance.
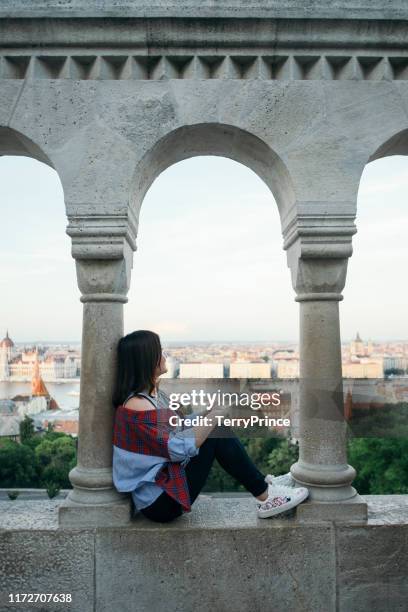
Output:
(208, 513)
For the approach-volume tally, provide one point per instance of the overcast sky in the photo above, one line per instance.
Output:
(209, 263)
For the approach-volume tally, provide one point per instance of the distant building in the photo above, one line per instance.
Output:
(40, 399)
(364, 368)
(7, 408)
(7, 346)
(6, 354)
(357, 346)
(246, 369)
(287, 368)
(18, 365)
(9, 420)
(10, 427)
(50, 368)
(4, 365)
(65, 421)
(397, 362)
(70, 367)
(201, 370)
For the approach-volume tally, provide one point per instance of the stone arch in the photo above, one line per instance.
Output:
(395, 145)
(218, 140)
(13, 142)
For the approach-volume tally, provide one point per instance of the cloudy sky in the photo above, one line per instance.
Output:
(209, 263)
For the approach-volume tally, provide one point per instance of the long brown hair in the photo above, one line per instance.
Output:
(138, 356)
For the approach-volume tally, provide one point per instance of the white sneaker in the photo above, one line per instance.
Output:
(285, 480)
(280, 499)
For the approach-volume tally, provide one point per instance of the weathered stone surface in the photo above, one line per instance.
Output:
(208, 512)
(218, 557)
(372, 568)
(216, 568)
(387, 9)
(47, 561)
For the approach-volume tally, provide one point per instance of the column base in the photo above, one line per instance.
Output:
(353, 510)
(72, 514)
(326, 483)
(93, 501)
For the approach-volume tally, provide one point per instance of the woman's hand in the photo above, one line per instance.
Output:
(223, 410)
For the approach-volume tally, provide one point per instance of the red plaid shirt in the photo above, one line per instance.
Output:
(147, 432)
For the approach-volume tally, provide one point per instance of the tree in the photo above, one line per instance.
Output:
(282, 457)
(17, 465)
(56, 456)
(381, 465)
(26, 429)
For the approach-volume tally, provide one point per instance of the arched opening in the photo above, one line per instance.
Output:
(217, 140)
(375, 342)
(14, 143)
(210, 277)
(40, 319)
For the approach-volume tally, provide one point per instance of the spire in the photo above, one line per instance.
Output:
(37, 384)
(358, 339)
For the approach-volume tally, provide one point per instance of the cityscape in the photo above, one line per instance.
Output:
(60, 363)
(41, 380)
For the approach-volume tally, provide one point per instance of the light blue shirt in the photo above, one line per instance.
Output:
(135, 472)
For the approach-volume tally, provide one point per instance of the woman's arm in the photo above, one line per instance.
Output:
(186, 443)
(201, 432)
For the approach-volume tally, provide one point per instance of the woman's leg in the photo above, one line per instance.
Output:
(225, 446)
(222, 444)
(165, 508)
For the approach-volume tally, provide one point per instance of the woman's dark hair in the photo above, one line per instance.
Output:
(138, 356)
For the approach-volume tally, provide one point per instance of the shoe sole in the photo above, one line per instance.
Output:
(294, 501)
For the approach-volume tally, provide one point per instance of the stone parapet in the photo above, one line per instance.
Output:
(220, 557)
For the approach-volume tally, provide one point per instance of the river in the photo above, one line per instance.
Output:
(59, 391)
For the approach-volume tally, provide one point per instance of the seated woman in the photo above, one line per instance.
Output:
(165, 466)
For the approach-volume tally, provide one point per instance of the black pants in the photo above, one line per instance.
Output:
(222, 444)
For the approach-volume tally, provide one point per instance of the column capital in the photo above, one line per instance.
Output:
(317, 248)
(319, 229)
(101, 236)
(102, 247)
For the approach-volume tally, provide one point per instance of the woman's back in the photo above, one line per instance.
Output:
(135, 471)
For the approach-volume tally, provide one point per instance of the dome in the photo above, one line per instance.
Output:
(7, 342)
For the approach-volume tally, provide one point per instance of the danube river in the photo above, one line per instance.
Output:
(66, 394)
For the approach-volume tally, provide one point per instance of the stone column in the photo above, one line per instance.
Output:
(103, 271)
(318, 266)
